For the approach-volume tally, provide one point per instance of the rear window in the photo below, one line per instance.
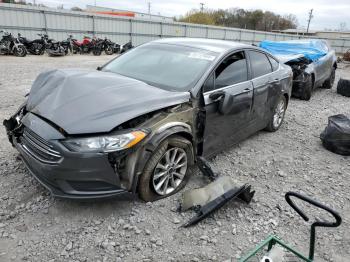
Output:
(274, 63)
(260, 64)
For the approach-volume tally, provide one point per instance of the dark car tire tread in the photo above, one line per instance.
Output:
(270, 127)
(328, 84)
(145, 187)
(307, 90)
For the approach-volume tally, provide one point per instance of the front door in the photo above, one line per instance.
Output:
(228, 96)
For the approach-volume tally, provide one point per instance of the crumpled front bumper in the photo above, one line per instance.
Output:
(65, 173)
(75, 178)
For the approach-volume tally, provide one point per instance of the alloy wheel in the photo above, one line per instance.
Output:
(279, 114)
(170, 171)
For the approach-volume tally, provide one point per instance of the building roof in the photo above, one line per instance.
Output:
(219, 46)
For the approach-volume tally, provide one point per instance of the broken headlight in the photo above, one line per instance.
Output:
(108, 143)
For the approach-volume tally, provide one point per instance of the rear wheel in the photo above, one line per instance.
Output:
(277, 117)
(168, 170)
(20, 51)
(330, 81)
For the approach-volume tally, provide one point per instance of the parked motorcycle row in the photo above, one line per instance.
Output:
(20, 46)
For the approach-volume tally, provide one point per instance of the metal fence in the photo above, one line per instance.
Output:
(58, 24)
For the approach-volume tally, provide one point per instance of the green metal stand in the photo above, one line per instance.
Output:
(270, 242)
(273, 240)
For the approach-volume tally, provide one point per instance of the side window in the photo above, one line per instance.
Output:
(209, 85)
(274, 63)
(231, 71)
(260, 64)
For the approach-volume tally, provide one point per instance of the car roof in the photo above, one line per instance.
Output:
(219, 46)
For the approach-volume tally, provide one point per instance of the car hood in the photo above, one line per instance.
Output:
(287, 58)
(85, 101)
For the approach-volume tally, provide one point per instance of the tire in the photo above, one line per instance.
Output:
(42, 51)
(109, 50)
(277, 117)
(20, 51)
(150, 188)
(307, 89)
(328, 84)
(97, 51)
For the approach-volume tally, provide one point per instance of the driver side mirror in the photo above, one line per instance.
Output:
(99, 68)
(217, 95)
(225, 101)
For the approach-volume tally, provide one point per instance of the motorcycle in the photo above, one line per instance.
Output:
(83, 47)
(55, 48)
(126, 47)
(11, 45)
(116, 48)
(99, 45)
(35, 47)
(68, 44)
(108, 46)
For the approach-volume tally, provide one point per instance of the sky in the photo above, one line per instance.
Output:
(327, 13)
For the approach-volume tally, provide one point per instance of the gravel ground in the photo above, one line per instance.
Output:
(37, 227)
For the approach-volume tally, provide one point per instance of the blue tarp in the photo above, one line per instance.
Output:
(311, 49)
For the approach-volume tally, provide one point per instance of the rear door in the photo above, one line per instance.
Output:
(266, 84)
(323, 65)
(229, 78)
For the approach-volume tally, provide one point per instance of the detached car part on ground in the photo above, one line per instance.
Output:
(137, 124)
(208, 199)
(312, 61)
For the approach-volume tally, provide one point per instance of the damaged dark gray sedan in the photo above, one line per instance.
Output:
(137, 124)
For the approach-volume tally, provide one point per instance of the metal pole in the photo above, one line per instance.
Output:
(130, 30)
(149, 9)
(93, 26)
(202, 7)
(45, 21)
(309, 20)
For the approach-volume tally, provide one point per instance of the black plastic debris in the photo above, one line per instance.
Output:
(213, 196)
(336, 136)
(343, 87)
(243, 193)
(205, 168)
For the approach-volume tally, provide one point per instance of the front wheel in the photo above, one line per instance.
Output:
(277, 117)
(20, 51)
(97, 51)
(109, 50)
(168, 169)
(330, 81)
(307, 89)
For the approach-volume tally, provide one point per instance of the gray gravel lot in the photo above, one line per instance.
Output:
(36, 227)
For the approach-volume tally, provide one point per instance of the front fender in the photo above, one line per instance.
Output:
(145, 152)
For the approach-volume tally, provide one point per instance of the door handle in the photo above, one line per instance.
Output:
(276, 80)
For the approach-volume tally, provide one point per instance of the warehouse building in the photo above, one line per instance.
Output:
(119, 12)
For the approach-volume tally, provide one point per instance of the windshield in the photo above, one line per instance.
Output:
(171, 67)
